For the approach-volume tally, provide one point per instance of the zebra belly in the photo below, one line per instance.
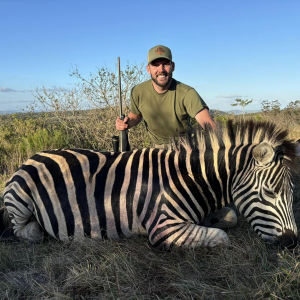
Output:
(73, 194)
(91, 223)
(69, 218)
(63, 227)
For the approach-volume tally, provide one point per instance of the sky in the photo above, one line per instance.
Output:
(223, 49)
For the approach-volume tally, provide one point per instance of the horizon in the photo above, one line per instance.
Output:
(246, 50)
(234, 111)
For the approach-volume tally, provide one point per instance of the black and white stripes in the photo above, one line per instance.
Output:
(74, 193)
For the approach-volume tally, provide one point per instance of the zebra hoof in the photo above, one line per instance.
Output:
(222, 219)
(32, 232)
(218, 238)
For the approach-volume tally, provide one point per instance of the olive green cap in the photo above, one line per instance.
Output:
(159, 51)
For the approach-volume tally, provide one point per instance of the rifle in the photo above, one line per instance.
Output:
(124, 133)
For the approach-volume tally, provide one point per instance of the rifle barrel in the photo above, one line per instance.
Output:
(120, 92)
(124, 144)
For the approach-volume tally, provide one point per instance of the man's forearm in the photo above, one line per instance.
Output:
(133, 120)
(204, 117)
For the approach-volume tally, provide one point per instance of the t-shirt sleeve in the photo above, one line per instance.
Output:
(193, 103)
(134, 104)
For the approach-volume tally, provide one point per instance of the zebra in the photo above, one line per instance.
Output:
(176, 197)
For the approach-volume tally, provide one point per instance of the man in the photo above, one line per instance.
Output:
(164, 103)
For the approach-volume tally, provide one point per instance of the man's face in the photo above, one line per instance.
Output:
(161, 70)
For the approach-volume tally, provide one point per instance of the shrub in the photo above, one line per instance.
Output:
(21, 137)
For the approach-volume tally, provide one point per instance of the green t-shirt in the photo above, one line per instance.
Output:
(166, 115)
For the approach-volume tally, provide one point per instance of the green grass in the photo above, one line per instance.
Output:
(21, 137)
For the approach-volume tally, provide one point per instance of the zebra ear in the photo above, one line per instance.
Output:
(298, 148)
(263, 153)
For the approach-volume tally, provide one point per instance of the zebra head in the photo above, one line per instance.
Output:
(263, 193)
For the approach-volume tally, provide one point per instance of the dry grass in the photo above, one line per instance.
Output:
(131, 269)
(285, 119)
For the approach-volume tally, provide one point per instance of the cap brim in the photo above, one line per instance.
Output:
(162, 56)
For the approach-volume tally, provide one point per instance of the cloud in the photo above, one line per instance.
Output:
(231, 96)
(7, 90)
(53, 89)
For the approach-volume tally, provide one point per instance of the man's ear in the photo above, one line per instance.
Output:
(173, 66)
(148, 69)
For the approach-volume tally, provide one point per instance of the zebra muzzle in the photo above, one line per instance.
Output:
(288, 240)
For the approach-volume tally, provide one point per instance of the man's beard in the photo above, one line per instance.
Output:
(162, 84)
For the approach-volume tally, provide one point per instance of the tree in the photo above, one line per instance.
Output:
(292, 112)
(242, 103)
(265, 106)
(270, 106)
(88, 111)
(293, 105)
(275, 107)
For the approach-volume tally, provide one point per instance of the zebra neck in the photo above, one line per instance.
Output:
(211, 172)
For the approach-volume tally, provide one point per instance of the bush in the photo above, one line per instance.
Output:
(22, 137)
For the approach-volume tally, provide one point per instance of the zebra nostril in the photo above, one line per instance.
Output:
(288, 239)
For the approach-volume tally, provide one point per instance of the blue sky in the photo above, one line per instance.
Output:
(224, 49)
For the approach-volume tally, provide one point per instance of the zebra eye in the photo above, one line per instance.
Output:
(269, 194)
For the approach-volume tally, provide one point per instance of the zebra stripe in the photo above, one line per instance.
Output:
(76, 193)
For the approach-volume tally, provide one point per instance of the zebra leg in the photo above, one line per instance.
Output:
(23, 226)
(223, 218)
(164, 236)
(32, 232)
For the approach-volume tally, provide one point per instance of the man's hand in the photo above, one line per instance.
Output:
(121, 125)
(128, 122)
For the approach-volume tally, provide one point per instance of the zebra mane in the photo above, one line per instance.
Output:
(242, 133)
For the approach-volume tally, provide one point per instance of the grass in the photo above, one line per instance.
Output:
(132, 269)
